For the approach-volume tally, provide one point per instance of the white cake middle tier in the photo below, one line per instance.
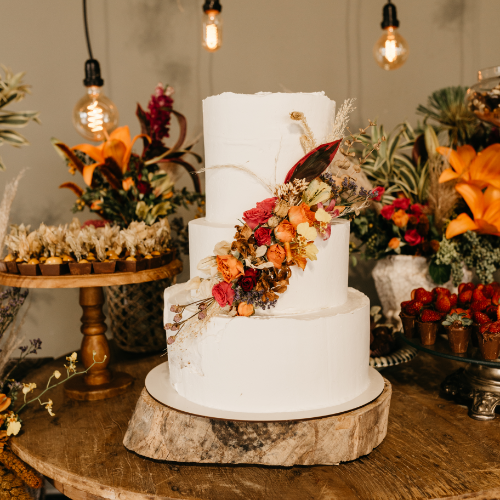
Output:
(321, 285)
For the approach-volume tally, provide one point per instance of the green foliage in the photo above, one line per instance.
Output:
(478, 252)
(440, 273)
(13, 90)
(392, 167)
(449, 112)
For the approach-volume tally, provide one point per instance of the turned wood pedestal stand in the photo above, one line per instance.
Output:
(100, 382)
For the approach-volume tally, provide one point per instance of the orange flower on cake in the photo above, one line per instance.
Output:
(468, 166)
(285, 232)
(299, 214)
(245, 309)
(230, 267)
(276, 255)
(485, 208)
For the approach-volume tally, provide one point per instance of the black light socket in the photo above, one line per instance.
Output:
(93, 74)
(212, 5)
(390, 17)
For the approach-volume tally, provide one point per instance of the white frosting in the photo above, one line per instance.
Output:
(255, 131)
(273, 364)
(322, 284)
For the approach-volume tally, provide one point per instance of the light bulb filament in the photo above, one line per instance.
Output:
(391, 51)
(95, 117)
(212, 36)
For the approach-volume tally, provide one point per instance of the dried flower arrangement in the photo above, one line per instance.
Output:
(279, 233)
(73, 243)
(449, 215)
(124, 187)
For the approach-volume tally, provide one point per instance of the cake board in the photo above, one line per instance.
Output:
(163, 432)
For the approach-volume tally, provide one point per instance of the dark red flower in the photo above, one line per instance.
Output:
(143, 187)
(160, 107)
(379, 190)
(416, 209)
(249, 281)
(263, 236)
(401, 203)
(412, 237)
(95, 222)
(260, 214)
(387, 212)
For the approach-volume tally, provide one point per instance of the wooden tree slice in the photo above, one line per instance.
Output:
(162, 433)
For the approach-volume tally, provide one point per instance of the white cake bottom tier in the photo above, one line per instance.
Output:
(275, 364)
(322, 284)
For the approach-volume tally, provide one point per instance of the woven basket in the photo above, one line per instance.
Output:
(136, 315)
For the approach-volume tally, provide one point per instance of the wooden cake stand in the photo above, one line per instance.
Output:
(99, 382)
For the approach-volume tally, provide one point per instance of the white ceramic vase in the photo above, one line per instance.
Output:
(397, 275)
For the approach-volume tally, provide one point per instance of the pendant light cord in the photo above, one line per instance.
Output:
(87, 28)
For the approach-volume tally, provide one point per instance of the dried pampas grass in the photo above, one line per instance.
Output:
(8, 198)
(341, 120)
(442, 197)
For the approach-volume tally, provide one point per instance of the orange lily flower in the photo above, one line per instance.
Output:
(481, 169)
(118, 148)
(485, 208)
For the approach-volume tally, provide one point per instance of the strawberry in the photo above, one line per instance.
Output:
(498, 312)
(491, 311)
(443, 303)
(429, 316)
(463, 287)
(488, 291)
(422, 295)
(405, 303)
(413, 307)
(480, 305)
(439, 290)
(484, 327)
(453, 299)
(480, 318)
(465, 297)
(494, 327)
(496, 297)
(477, 295)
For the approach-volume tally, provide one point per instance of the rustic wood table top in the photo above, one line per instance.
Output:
(432, 450)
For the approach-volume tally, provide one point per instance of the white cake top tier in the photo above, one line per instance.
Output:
(255, 131)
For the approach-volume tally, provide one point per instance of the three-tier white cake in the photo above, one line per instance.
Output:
(312, 349)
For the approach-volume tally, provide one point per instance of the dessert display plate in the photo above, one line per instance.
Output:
(401, 355)
(158, 386)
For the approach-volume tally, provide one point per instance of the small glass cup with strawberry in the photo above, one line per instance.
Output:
(428, 326)
(458, 326)
(489, 340)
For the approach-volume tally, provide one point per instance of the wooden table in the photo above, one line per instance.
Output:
(99, 382)
(432, 450)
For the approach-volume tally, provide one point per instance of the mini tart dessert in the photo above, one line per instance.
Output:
(53, 266)
(30, 268)
(91, 257)
(83, 266)
(67, 258)
(428, 326)
(104, 267)
(131, 264)
(11, 264)
(489, 340)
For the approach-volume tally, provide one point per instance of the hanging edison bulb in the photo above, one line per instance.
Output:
(212, 25)
(391, 49)
(94, 115)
